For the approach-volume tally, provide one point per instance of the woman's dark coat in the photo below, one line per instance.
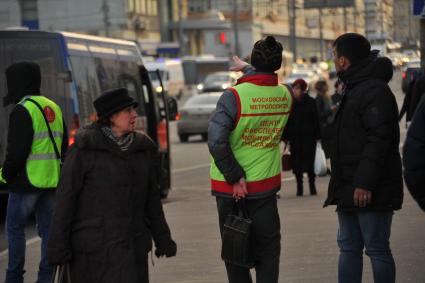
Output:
(365, 148)
(107, 210)
(325, 120)
(414, 156)
(302, 131)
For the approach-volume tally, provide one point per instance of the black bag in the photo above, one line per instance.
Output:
(236, 240)
(286, 159)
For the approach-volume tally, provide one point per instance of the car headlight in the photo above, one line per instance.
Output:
(158, 89)
(200, 86)
(224, 86)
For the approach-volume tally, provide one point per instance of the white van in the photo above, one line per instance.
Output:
(171, 72)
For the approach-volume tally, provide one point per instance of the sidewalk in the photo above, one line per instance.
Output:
(310, 252)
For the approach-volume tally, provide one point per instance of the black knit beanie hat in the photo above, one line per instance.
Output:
(266, 55)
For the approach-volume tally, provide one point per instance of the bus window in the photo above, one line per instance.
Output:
(87, 86)
(47, 53)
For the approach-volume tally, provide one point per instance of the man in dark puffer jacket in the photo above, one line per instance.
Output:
(366, 182)
(414, 156)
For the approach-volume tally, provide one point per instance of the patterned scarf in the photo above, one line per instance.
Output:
(123, 142)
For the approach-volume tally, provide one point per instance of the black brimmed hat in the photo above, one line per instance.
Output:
(113, 101)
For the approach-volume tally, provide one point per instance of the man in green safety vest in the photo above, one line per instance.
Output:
(243, 138)
(36, 144)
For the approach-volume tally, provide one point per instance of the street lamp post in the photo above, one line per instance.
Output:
(235, 27)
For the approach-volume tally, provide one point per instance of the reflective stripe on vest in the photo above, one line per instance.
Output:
(263, 112)
(43, 166)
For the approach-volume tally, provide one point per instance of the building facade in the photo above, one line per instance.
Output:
(126, 19)
(406, 27)
(258, 18)
(379, 19)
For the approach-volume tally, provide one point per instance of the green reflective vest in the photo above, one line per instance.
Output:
(263, 112)
(43, 166)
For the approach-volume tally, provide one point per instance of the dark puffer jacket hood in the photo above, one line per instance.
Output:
(92, 138)
(23, 78)
(373, 67)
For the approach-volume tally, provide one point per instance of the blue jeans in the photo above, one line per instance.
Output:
(19, 208)
(369, 230)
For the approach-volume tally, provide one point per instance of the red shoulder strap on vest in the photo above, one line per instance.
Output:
(238, 104)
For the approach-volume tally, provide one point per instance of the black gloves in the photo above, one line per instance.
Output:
(168, 250)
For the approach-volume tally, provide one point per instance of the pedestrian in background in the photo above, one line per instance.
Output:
(243, 139)
(302, 133)
(366, 181)
(339, 92)
(32, 165)
(326, 110)
(414, 156)
(415, 90)
(108, 204)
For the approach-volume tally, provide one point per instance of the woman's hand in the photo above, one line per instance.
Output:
(238, 64)
(169, 250)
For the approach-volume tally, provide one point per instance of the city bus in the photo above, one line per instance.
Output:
(76, 69)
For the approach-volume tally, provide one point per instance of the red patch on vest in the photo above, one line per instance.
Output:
(50, 114)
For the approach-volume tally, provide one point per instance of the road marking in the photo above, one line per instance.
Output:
(37, 239)
(287, 179)
(184, 169)
(29, 242)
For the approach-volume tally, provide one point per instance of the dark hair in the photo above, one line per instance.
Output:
(266, 55)
(337, 83)
(353, 46)
(104, 122)
(320, 85)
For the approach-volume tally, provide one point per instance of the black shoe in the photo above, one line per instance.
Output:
(300, 190)
(313, 190)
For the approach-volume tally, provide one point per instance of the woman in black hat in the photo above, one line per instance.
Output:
(108, 207)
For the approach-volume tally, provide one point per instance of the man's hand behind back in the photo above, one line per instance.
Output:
(239, 189)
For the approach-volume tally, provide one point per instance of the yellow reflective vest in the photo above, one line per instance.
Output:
(263, 111)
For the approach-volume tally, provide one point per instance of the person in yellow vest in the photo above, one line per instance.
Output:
(32, 164)
(243, 138)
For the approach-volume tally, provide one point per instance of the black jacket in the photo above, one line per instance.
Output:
(418, 90)
(302, 132)
(365, 145)
(19, 142)
(107, 210)
(23, 78)
(414, 156)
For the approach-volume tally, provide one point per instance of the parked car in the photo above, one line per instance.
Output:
(218, 81)
(194, 116)
(171, 72)
(410, 71)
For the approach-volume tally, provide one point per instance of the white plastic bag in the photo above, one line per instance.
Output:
(320, 168)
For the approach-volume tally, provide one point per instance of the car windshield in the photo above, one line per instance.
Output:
(203, 100)
(211, 79)
(300, 74)
(154, 75)
(414, 64)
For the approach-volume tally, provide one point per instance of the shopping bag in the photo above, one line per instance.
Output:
(320, 168)
(236, 240)
(61, 274)
(286, 159)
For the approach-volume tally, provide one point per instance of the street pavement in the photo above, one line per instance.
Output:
(309, 254)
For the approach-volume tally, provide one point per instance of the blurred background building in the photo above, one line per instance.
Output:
(219, 27)
(405, 27)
